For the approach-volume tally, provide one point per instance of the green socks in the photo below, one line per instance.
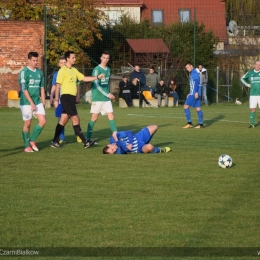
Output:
(112, 124)
(36, 131)
(90, 129)
(252, 118)
(26, 139)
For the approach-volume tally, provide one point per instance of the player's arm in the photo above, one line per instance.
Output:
(196, 80)
(57, 92)
(43, 96)
(244, 80)
(24, 87)
(130, 136)
(99, 88)
(53, 83)
(78, 92)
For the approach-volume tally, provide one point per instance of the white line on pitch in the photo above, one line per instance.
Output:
(221, 120)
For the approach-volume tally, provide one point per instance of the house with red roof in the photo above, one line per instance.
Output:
(211, 13)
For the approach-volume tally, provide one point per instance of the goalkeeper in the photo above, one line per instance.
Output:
(126, 142)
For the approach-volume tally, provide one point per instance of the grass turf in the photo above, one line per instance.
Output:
(76, 197)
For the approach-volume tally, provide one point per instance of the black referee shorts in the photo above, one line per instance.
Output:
(69, 104)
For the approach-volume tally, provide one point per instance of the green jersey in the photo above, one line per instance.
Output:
(31, 80)
(100, 87)
(252, 77)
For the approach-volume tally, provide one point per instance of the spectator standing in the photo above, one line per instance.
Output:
(203, 82)
(138, 74)
(161, 91)
(252, 80)
(125, 91)
(152, 79)
(173, 93)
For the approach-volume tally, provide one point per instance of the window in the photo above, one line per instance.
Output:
(184, 15)
(157, 16)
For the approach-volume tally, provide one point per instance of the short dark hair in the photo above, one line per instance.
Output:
(32, 54)
(62, 57)
(152, 68)
(200, 64)
(67, 54)
(105, 52)
(124, 76)
(105, 150)
(188, 63)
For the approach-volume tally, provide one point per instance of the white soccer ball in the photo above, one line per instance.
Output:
(225, 161)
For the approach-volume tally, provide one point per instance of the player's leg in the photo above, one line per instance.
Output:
(108, 109)
(253, 104)
(40, 114)
(27, 118)
(149, 148)
(186, 108)
(91, 124)
(196, 105)
(58, 112)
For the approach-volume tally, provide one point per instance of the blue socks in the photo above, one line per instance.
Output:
(187, 114)
(200, 117)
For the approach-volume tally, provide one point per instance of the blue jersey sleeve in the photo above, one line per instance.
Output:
(54, 78)
(196, 81)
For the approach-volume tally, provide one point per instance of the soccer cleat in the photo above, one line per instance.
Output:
(61, 141)
(165, 150)
(28, 149)
(149, 104)
(251, 126)
(78, 139)
(55, 145)
(199, 126)
(188, 126)
(89, 143)
(34, 147)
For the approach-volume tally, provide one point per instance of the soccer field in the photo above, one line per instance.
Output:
(79, 198)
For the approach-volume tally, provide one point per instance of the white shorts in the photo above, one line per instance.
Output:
(253, 101)
(102, 107)
(27, 111)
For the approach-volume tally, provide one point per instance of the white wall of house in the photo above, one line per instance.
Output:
(114, 13)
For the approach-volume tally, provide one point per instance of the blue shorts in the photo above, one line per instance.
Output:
(143, 137)
(192, 101)
(58, 110)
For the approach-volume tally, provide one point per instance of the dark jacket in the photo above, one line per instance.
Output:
(139, 75)
(124, 88)
(161, 89)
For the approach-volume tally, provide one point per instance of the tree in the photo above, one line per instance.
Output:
(71, 24)
(244, 12)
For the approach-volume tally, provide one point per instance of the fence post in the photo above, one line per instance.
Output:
(217, 83)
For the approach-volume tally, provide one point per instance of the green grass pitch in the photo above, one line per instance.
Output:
(79, 198)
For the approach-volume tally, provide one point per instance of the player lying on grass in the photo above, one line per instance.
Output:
(127, 142)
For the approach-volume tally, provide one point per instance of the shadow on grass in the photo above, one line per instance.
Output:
(213, 120)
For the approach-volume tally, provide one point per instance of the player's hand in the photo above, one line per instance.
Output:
(111, 96)
(129, 146)
(56, 103)
(249, 85)
(115, 136)
(33, 107)
(196, 95)
(51, 100)
(101, 76)
(77, 99)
